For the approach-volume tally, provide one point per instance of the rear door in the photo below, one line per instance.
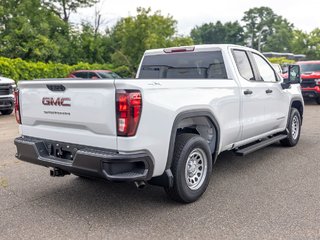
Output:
(72, 111)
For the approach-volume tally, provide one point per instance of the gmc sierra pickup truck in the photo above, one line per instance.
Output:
(167, 126)
(7, 87)
(310, 84)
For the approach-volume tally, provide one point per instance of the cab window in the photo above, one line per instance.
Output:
(243, 64)
(267, 72)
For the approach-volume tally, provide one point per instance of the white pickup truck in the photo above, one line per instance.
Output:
(7, 88)
(167, 126)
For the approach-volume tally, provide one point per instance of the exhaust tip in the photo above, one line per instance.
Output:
(140, 184)
(57, 172)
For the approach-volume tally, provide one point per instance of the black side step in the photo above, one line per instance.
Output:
(262, 144)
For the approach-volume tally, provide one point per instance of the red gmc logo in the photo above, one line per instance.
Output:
(64, 102)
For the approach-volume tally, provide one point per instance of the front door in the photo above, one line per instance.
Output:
(253, 97)
(277, 101)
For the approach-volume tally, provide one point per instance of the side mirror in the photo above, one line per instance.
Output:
(294, 76)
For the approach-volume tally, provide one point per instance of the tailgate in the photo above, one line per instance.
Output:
(72, 111)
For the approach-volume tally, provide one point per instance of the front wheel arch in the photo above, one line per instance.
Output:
(297, 103)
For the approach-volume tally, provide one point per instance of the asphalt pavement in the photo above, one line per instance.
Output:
(273, 193)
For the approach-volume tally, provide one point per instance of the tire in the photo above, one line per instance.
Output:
(189, 183)
(318, 100)
(6, 112)
(294, 129)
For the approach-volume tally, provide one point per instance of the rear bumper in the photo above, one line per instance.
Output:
(6, 103)
(84, 160)
(310, 93)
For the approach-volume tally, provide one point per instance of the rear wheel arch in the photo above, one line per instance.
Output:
(201, 122)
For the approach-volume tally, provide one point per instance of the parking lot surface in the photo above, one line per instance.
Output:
(273, 193)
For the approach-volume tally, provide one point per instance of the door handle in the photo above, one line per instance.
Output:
(247, 92)
(268, 91)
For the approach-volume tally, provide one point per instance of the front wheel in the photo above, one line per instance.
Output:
(293, 128)
(318, 100)
(191, 168)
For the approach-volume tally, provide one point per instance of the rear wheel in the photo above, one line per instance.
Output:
(6, 112)
(191, 168)
(294, 129)
(318, 100)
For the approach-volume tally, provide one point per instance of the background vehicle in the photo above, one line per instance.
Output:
(7, 87)
(167, 126)
(93, 74)
(310, 84)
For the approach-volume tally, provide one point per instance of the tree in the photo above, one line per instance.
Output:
(29, 31)
(313, 50)
(63, 8)
(256, 21)
(131, 36)
(230, 32)
(280, 36)
(267, 31)
(299, 42)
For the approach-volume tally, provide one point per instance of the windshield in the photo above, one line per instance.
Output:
(186, 65)
(108, 75)
(310, 67)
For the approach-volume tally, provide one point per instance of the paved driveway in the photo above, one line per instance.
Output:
(271, 194)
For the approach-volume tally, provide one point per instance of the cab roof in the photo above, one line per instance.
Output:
(195, 48)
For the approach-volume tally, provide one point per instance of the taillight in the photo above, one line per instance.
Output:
(129, 105)
(318, 82)
(17, 106)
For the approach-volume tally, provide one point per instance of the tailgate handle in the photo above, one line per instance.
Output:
(56, 87)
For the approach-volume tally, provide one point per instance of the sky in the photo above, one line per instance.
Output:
(305, 14)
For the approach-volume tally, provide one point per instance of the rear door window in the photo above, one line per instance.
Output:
(186, 65)
(243, 64)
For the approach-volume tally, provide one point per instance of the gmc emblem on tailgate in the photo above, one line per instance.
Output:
(64, 102)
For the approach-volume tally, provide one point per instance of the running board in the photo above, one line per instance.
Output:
(262, 144)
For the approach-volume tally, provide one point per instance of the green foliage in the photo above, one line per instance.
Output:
(256, 20)
(131, 36)
(19, 69)
(281, 60)
(230, 32)
(30, 31)
(280, 38)
(313, 50)
(63, 8)
(299, 42)
(39, 31)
